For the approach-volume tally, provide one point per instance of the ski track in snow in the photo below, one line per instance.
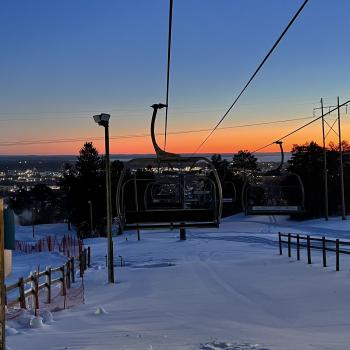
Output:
(227, 346)
(224, 289)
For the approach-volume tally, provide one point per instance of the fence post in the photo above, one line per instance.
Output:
(298, 247)
(36, 290)
(324, 252)
(72, 269)
(85, 259)
(63, 279)
(337, 254)
(21, 293)
(89, 257)
(280, 242)
(308, 250)
(48, 283)
(81, 265)
(289, 246)
(67, 267)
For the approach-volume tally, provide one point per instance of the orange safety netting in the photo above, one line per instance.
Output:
(68, 245)
(73, 296)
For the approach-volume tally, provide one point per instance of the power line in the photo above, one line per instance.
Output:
(140, 110)
(254, 74)
(116, 137)
(302, 127)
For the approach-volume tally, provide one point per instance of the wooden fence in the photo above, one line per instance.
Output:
(66, 276)
(317, 243)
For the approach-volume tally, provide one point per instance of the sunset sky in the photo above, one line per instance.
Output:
(62, 61)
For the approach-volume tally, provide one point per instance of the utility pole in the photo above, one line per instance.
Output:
(341, 170)
(325, 175)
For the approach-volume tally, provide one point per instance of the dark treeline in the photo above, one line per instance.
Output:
(40, 205)
(307, 161)
(235, 171)
(84, 182)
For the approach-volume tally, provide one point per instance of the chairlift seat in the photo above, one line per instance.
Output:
(177, 192)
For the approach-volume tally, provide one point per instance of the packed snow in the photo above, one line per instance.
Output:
(223, 288)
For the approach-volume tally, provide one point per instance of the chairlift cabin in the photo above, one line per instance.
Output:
(168, 191)
(275, 192)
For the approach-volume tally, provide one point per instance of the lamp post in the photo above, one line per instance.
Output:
(91, 222)
(33, 221)
(103, 120)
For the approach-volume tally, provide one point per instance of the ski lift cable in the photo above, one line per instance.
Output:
(301, 127)
(254, 74)
(168, 70)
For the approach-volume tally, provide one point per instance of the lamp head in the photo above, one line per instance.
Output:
(158, 106)
(102, 119)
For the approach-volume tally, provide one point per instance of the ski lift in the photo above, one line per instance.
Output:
(275, 192)
(168, 190)
(229, 193)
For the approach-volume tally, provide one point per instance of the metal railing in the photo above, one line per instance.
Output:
(313, 243)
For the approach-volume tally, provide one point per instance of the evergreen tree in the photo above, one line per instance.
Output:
(244, 163)
(308, 162)
(221, 166)
(83, 183)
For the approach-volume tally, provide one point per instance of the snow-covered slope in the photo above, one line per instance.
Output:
(220, 289)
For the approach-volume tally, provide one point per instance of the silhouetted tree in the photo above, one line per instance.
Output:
(82, 183)
(244, 163)
(221, 166)
(307, 161)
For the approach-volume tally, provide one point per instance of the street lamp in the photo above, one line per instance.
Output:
(103, 120)
(33, 221)
(91, 222)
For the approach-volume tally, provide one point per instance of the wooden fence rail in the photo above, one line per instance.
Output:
(66, 276)
(323, 244)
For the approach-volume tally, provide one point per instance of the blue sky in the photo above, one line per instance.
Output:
(75, 58)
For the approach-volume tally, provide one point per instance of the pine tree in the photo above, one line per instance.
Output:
(83, 183)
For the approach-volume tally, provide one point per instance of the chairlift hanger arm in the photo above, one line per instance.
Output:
(160, 152)
(277, 171)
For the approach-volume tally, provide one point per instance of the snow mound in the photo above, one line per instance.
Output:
(46, 316)
(36, 322)
(215, 345)
(24, 318)
(10, 331)
(100, 311)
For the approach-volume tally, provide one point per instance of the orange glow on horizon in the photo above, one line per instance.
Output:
(222, 141)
